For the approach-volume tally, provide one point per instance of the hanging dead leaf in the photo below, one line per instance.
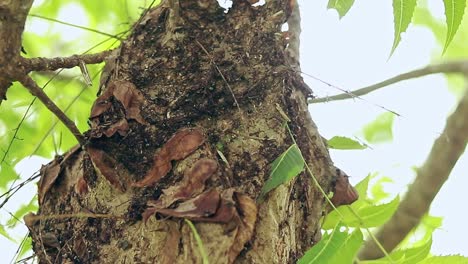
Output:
(131, 98)
(102, 103)
(50, 172)
(127, 94)
(106, 165)
(182, 144)
(344, 192)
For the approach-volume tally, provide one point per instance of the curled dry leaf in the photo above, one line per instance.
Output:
(344, 192)
(120, 126)
(106, 165)
(127, 94)
(102, 103)
(182, 144)
(246, 226)
(130, 98)
(192, 184)
(204, 205)
(50, 172)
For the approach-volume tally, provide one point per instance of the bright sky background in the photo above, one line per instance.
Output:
(350, 54)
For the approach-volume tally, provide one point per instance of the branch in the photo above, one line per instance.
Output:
(448, 67)
(76, 26)
(35, 90)
(52, 64)
(444, 154)
(294, 33)
(13, 16)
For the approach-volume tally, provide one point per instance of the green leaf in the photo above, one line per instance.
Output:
(406, 256)
(338, 142)
(341, 6)
(377, 190)
(363, 186)
(452, 259)
(417, 254)
(335, 247)
(200, 245)
(7, 174)
(379, 130)
(424, 231)
(4, 233)
(287, 166)
(454, 10)
(402, 13)
(25, 247)
(22, 211)
(361, 214)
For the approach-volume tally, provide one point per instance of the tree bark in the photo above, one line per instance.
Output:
(186, 127)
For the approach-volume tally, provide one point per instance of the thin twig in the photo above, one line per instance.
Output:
(32, 102)
(34, 218)
(448, 67)
(76, 26)
(350, 94)
(52, 64)
(56, 121)
(8, 194)
(35, 90)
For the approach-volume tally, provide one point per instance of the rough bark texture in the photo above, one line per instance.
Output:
(186, 127)
(13, 15)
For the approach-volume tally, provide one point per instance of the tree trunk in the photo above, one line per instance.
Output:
(186, 127)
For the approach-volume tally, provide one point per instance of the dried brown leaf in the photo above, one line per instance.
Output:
(248, 216)
(192, 184)
(102, 103)
(184, 142)
(121, 127)
(81, 186)
(131, 99)
(106, 165)
(161, 167)
(344, 193)
(178, 147)
(202, 206)
(50, 172)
